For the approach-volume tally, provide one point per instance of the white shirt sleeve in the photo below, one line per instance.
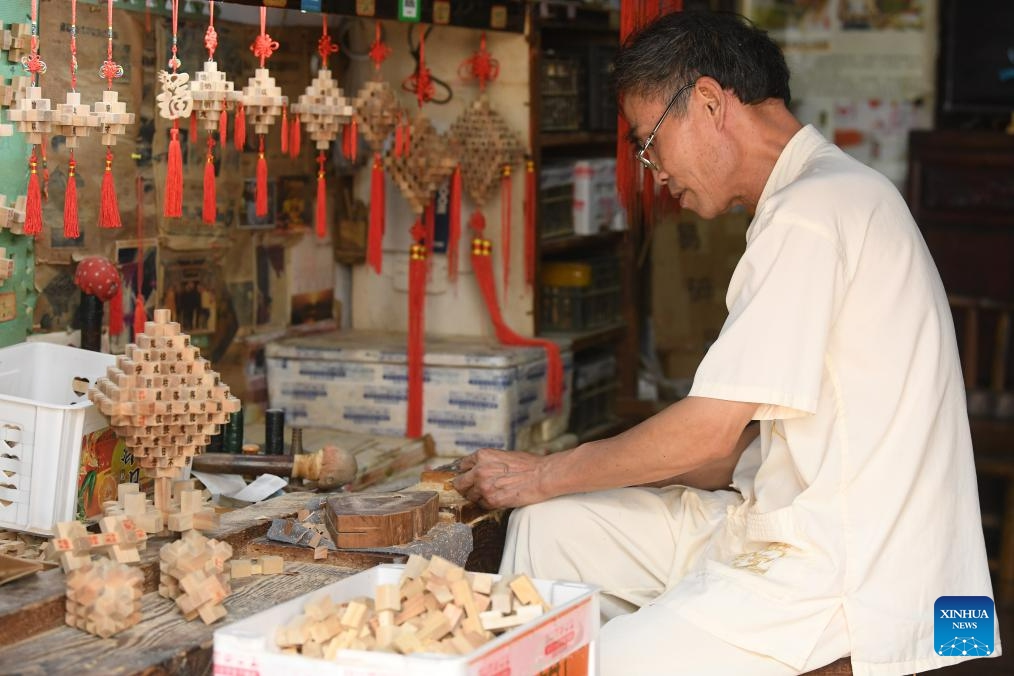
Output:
(783, 299)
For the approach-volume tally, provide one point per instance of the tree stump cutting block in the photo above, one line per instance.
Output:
(380, 519)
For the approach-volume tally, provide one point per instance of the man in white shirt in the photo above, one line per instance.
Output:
(834, 530)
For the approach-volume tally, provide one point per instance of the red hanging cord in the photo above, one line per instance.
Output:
(417, 268)
(375, 240)
(285, 130)
(261, 198)
(139, 312)
(321, 197)
(296, 138)
(482, 265)
(71, 222)
(209, 209)
(173, 207)
(505, 223)
(454, 229)
(35, 66)
(239, 130)
(109, 209)
(531, 198)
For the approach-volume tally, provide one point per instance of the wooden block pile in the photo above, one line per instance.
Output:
(162, 398)
(436, 608)
(191, 508)
(10, 92)
(16, 40)
(263, 101)
(136, 505)
(120, 539)
(212, 93)
(265, 565)
(192, 571)
(323, 108)
(104, 597)
(6, 265)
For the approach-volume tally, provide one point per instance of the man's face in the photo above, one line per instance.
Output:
(684, 151)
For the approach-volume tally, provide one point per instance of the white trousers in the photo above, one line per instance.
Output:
(636, 543)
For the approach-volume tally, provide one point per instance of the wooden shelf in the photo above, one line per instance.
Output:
(583, 340)
(581, 242)
(563, 139)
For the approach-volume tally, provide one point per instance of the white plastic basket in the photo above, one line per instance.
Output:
(44, 413)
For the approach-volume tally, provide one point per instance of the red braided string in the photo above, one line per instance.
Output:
(263, 46)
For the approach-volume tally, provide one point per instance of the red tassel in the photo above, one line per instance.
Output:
(116, 312)
(109, 210)
(454, 230)
(530, 207)
(174, 175)
(239, 131)
(261, 206)
(416, 337)
(321, 198)
(295, 143)
(209, 212)
(223, 126)
(192, 136)
(33, 207)
(483, 266)
(285, 129)
(139, 317)
(353, 128)
(71, 227)
(375, 240)
(430, 219)
(505, 223)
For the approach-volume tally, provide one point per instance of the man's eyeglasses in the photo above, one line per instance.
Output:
(642, 151)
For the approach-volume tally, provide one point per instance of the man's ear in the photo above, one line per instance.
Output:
(716, 99)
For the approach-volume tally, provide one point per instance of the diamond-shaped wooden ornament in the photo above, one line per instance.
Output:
(376, 112)
(428, 163)
(323, 109)
(263, 101)
(484, 143)
(162, 398)
(74, 120)
(212, 93)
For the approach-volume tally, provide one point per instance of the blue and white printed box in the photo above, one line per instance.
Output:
(476, 393)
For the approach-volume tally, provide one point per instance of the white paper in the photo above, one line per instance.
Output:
(221, 484)
(262, 487)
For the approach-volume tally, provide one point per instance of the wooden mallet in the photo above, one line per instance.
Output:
(330, 467)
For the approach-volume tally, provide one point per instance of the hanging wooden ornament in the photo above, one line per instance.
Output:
(487, 147)
(263, 102)
(480, 133)
(34, 118)
(376, 113)
(113, 121)
(214, 96)
(174, 102)
(73, 120)
(324, 109)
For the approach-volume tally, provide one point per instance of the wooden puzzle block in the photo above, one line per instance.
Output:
(104, 597)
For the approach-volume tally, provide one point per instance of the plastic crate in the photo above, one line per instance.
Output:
(44, 414)
(580, 296)
(556, 200)
(560, 641)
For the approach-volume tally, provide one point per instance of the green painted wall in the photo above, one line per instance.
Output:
(14, 182)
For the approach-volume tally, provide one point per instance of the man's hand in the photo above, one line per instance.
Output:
(497, 479)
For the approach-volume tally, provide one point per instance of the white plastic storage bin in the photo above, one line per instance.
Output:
(567, 630)
(44, 413)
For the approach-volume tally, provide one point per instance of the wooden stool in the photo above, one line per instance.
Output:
(842, 667)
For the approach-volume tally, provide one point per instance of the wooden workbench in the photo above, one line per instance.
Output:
(35, 640)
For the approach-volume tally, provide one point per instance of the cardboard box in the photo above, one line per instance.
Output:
(563, 639)
(476, 393)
